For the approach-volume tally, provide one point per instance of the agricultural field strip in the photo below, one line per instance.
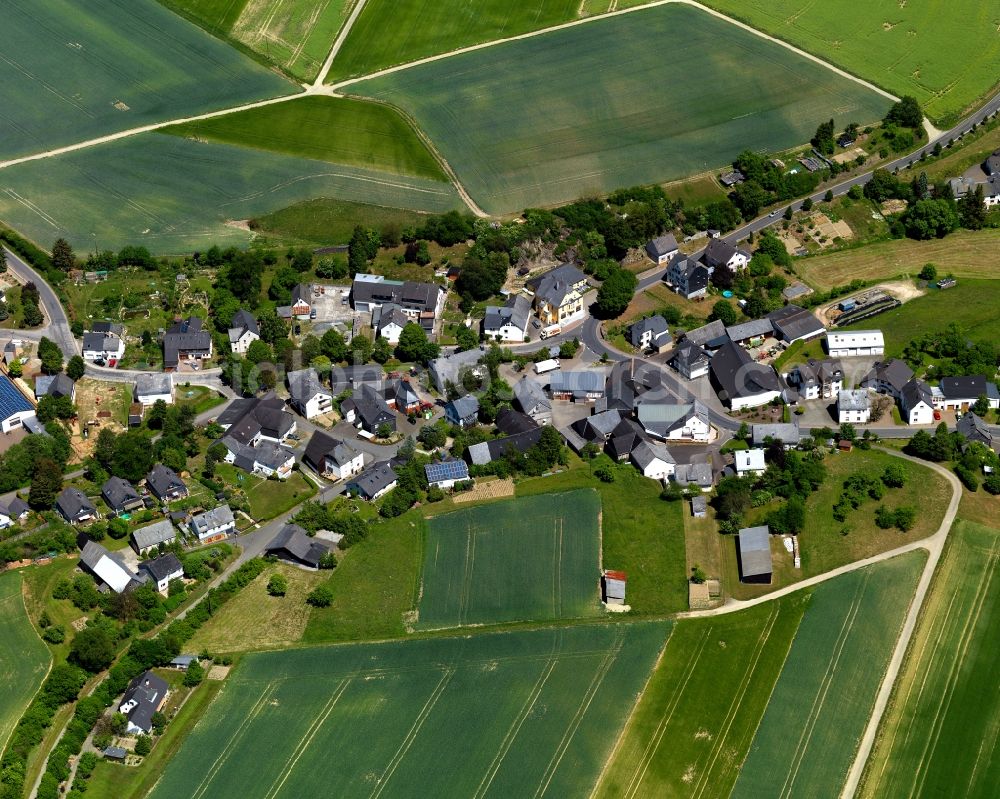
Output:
(600, 673)
(599, 17)
(944, 701)
(339, 42)
(802, 745)
(333, 90)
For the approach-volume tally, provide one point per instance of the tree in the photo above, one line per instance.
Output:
(50, 408)
(328, 561)
(104, 448)
(724, 311)
(50, 356)
(906, 517)
(320, 597)
(30, 312)
(3, 259)
(46, 483)
(972, 208)
(847, 432)
(414, 346)
(259, 352)
(75, 368)
(143, 745)
(749, 197)
(807, 204)
(928, 273)
(277, 585)
(894, 476)
(333, 346)
(828, 197)
(92, 649)
(882, 185)
(133, 455)
(466, 338)
(272, 329)
(822, 140)
(483, 274)
(906, 113)
(981, 406)
(615, 294)
(928, 219)
(698, 575)
(361, 249)
(194, 675)
(62, 255)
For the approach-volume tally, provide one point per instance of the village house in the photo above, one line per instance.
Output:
(374, 482)
(462, 411)
(161, 570)
(15, 408)
(697, 475)
(687, 277)
(104, 342)
(531, 399)
(740, 381)
(558, 295)
(213, 525)
(307, 394)
(243, 332)
(675, 421)
(854, 407)
(293, 545)
(817, 379)
(888, 377)
(165, 484)
(151, 387)
(107, 568)
(301, 307)
(57, 386)
(149, 538)
(785, 432)
(330, 457)
(961, 393)
(389, 321)
(143, 698)
(248, 421)
(494, 449)
(579, 386)
(720, 253)
(419, 302)
(368, 411)
(120, 496)
(854, 343)
(917, 402)
(651, 333)
(749, 462)
(974, 430)
(691, 360)
(508, 322)
(662, 248)
(448, 370)
(792, 323)
(444, 474)
(186, 343)
(13, 511)
(74, 506)
(653, 460)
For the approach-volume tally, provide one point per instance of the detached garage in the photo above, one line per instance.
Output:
(855, 343)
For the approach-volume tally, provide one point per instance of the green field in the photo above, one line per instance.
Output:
(24, 659)
(520, 560)
(389, 32)
(175, 195)
(72, 72)
(821, 703)
(943, 52)
(337, 130)
(294, 34)
(973, 305)
(516, 714)
(326, 222)
(694, 722)
(939, 735)
(591, 115)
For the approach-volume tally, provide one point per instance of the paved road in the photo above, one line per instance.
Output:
(58, 327)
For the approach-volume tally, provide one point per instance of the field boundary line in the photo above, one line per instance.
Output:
(802, 747)
(608, 15)
(305, 743)
(342, 35)
(734, 706)
(414, 731)
(515, 727)
(227, 750)
(968, 633)
(595, 684)
(661, 727)
(557, 543)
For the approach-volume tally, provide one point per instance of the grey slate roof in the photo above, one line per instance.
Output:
(577, 383)
(100, 342)
(405, 294)
(391, 314)
(162, 567)
(793, 323)
(463, 407)
(554, 285)
(488, 451)
(662, 418)
(851, 400)
(531, 397)
(511, 422)
(516, 312)
(118, 493)
(662, 245)
(786, 432)
(699, 474)
(162, 480)
(690, 357)
(915, 392)
(598, 426)
(60, 385)
(656, 325)
(161, 532)
(248, 417)
(304, 384)
(752, 329)
(152, 383)
(185, 336)
(738, 375)
(323, 447)
(968, 387)
(292, 542)
(755, 551)
(647, 451)
(242, 322)
(15, 508)
(72, 503)
(894, 372)
(973, 428)
(701, 336)
(147, 691)
(718, 252)
(216, 517)
(374, 479)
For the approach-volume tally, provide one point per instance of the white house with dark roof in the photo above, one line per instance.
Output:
(161, 570)
(792, 323)
(675, 421)
(165, 484)
(60, 385)
(463, 411)
(508, 322)
(377, 480)
(13, 511)
(186, 342)
(420, 302)
(817, 379)
(687, 277)
(558, 295)
(390, 322)
(107, 568)
(106, 344)
(532, 400)
(742, 382)
(651, 333)
(653, 460)
(151, 387)
(145, 695)
(331, 457)
(307, 393)
(888, 377)
(119, 495)
(961, 393)
(243, 331)
(75, 507)
(662, 248)
(213, 525)
(916, 400)
(690, 360)
(720, 253)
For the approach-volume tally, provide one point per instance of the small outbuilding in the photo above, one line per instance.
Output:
(754, 554)
(613, 586)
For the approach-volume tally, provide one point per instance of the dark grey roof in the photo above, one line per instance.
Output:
(738, 375)
(894, 372)
(699, 474)
(854, 400)
(973, 428)
(578, 383)
(15, 508)
(371, 408)
(755, 551)
(718, 252)
(304, 384)
(624, 439)
(662, 245)
(794, 323)
(753, 329)
(292, 542)
(246, 418)
(516, 312)
(60, 385)
(488, 451)
(162, 480)
(656, 325)
(662, 417)
(150, 383)
(463, 407)
(100, 342)
(647, 451)
(374, 479)
(813, 372)
(786, 432)
(969, 387)
(242, 322)
(161, 532)
(511, 422)
(450, 469)
(689, 355)
(323, 447)
(147, 691)
(73, 503)
(108, 327)
(531, 396)
(406, 294)
(185, 336)
(915, 392)
(391, 314)
(706, 333)
(598, 426)
(554, 285)
(118, 493)
(216, 517)
(266, 453)
(162, 567)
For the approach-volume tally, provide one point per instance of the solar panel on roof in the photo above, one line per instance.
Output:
(449, 470)
(11, 400)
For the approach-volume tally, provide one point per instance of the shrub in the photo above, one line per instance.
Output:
(320, 597)
(894, 476)
(992, 484)
(277, 585)
(968, 477)
(143, 745)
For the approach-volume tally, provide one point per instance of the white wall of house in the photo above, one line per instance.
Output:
(921, 413)
(391, 333)
(695, 430)
(164, 585)
(506, 332)
(16, 420)
(658, 469)
(151, 399)
(318, 404)
(854, 417)
(355, 466)
(243, 344)
(753, 401)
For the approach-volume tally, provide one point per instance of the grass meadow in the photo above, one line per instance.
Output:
(939, 734)
(823, 698)
(334, 129)
(694, 722)
(965, 253)
(24, 659)
(389, 32)
(591, 116)
(519, 560)
(944, 54)
(973, 305)
(71, 72)
(512, 714)
(174, 195)
(326, 222)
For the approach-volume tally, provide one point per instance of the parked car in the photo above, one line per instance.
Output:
(937, 416)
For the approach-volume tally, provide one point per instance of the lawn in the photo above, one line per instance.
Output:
(591, 116)
(800, 352)
(965, 253)
(640, 534)
(174, 195)
(692, 727)
(325, 221)
(939, 734)
(296, 36)
(389, 32)
(39, 582)
(973, 305)
(824, 695)
(515, 714)
(201, 398)
(268, 498)
(257, 620)
(24, 659)
(375, 585)
(944, 54)
(519, 560)
(333, 129)
(72, 72)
